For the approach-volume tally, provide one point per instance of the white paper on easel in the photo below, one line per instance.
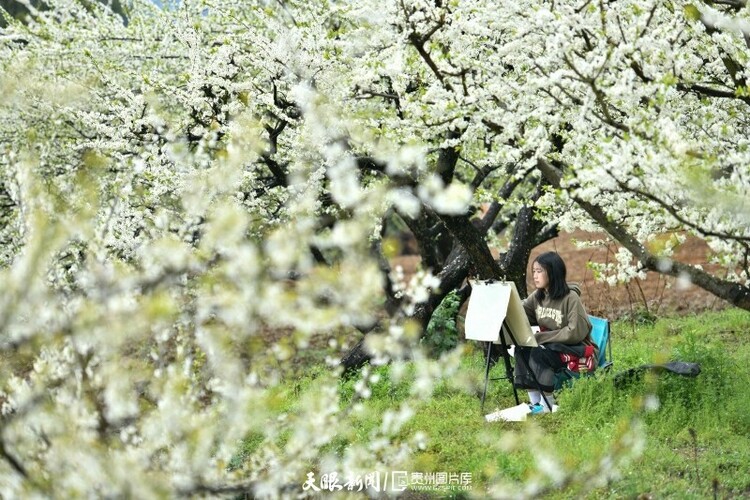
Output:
(488, 305)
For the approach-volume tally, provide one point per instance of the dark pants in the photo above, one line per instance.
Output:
(542, 362)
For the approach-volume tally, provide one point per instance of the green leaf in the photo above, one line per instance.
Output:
(692, 12)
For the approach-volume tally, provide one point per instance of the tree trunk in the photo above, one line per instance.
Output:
(473, 243)
(523, 242)
(471, 252)
(434, 247)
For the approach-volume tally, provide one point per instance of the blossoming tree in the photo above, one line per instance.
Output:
(179, 186)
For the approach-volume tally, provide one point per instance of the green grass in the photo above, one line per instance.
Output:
(696, 443)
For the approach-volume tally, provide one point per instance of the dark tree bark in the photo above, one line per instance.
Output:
(392, 303)
(447, 159)
(548, 232)
(523, 242)
(473, 243)
(434, 245)
(472, 252)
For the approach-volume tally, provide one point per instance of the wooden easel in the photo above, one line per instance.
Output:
(497, 316)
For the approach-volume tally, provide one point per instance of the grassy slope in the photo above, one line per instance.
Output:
(697, 440)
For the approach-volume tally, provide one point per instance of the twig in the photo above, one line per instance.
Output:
(13, 461)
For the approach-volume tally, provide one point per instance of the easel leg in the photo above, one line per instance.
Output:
(509, 375)
(508, 368)
(486, 375)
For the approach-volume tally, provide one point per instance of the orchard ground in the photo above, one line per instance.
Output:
(655, 436)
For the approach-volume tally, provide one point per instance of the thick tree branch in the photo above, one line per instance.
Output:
(472, 240)
(733, 4)
(673, 210)
(447, 158)
(468, 236)
(432, 245)
(733, 293)
(547, 233)
(699, 89)
(481, 173)
(465, 256)
(703, 90)
(489, 221)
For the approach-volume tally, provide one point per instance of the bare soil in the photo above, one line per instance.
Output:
(655, 295)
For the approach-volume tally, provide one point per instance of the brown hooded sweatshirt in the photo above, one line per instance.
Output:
(563, 321)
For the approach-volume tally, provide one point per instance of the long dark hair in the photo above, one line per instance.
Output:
(556, 273)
